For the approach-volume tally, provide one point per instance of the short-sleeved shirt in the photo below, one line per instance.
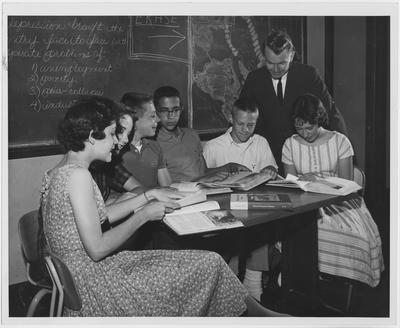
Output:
(183, 154)
(321, 159)
(143, 165)
(255, 153)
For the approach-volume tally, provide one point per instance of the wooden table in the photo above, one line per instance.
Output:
(297, 230)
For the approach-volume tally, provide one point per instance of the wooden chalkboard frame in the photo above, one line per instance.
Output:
(34, 151)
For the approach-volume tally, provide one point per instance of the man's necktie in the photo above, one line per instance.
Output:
(279, 92)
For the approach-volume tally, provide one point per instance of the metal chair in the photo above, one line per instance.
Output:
(28, 227)
(63, 283)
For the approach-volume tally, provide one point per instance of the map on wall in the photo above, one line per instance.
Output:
(225, 50)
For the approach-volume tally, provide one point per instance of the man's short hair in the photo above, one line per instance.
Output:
(278, 41)
(245, 104)
(135, 101)
(165, 91)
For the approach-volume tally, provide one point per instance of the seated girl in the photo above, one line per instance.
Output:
(349, 244)
(103, 172)
(129, 283)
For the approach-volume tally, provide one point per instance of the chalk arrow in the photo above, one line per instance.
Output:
(177, 35)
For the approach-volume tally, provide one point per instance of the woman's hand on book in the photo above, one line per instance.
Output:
(166, 194)
(155, 211)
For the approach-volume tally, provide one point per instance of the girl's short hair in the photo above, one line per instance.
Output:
(86, 115)
(309, 108)
(135, 101)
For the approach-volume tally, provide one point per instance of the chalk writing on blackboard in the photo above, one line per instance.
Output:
(52, 61)
(159, 38)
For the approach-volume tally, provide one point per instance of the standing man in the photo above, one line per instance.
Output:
(275, 86)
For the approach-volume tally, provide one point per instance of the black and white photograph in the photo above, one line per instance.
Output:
(108, 107)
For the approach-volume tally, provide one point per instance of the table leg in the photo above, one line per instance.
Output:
(300, 260)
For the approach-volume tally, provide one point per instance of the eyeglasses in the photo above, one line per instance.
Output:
(173, 111)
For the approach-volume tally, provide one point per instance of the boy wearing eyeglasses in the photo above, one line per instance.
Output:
(181, 146)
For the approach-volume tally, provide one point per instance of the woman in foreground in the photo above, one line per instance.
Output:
(129, 283)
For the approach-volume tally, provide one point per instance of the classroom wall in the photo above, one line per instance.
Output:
(349, 74)
(24, 181)
(316, 43)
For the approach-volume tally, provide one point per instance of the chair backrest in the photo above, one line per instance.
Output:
(28, 228)
(359, 176)
(64, 282)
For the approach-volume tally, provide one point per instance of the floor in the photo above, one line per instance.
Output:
(365, 302)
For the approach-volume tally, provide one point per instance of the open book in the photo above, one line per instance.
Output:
(241, 181)
(187, 186)
(330, 185)
(206, 216)
(192, 198)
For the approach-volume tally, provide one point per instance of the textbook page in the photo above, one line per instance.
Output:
(196, 222)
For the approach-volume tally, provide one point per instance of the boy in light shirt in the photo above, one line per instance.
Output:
(240, 145)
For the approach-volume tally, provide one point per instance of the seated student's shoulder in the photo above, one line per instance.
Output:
(220, 141)
(153, 144)
(190, 133)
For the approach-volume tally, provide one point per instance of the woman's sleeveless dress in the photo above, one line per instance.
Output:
(136, 283)
(349, 244)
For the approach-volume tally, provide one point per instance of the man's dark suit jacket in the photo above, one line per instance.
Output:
(274, 122)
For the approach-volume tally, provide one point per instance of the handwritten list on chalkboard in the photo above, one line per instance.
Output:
(54, 60)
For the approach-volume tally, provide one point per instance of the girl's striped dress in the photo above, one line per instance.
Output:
(349, 244)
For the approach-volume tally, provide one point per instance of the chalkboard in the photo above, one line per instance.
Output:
(52, 60)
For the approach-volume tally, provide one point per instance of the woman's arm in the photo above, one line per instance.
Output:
(345, 168)
(123, 208)
(96, 243)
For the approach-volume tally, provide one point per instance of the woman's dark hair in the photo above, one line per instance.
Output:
(86, 115)
(310, 109)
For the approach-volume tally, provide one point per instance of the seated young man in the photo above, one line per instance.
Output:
(240, 145)
(182, 148)
(143, 158)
